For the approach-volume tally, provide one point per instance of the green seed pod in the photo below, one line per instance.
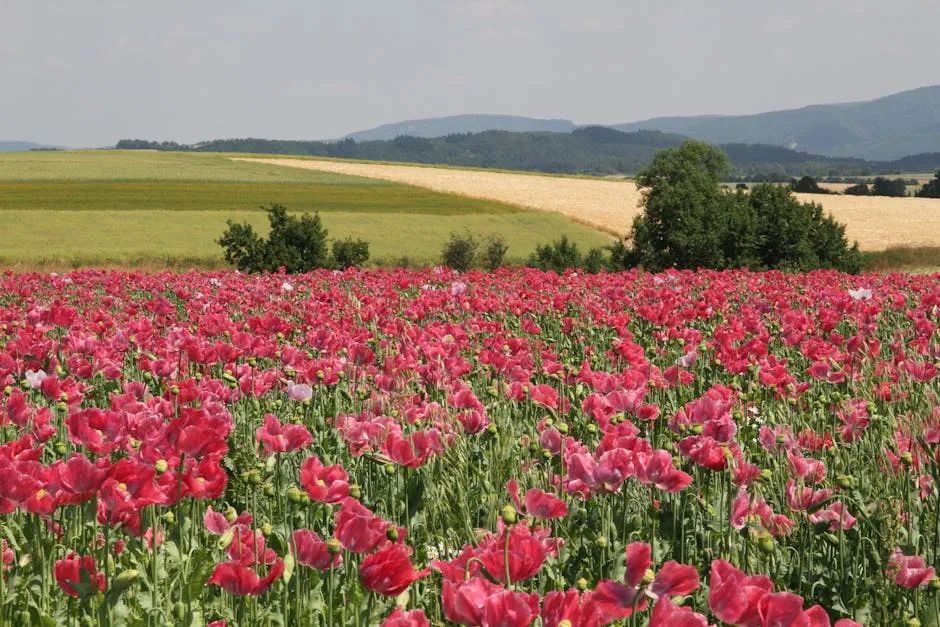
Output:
(582, 584)
(175, 390)
(648, 576)
(601, 541)
(591, 428)
(766, 544)
(124, 580)
(169, 518)
(333, 546)
(492, 429)
(7, 390)
(390, 469)
(161, 466)
(61, 406)
(269, 489)
(61, 448)
(392, 533)
(231, 515)
(294, 495)
(508, 514)
(266, 529)
(634, 522)
(563, 428)
(355, 491)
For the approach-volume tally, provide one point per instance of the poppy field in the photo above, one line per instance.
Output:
(410, 448)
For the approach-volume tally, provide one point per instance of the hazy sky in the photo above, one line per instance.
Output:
(87, 73)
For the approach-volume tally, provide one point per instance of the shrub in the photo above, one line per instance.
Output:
(460, 251)
(689, 221)
(494, 253)
(594, 261)
(296, 244)
(931, 189)
(882, 186)
(860, 189)
(807, 185)
(557, 256)
(348, 253)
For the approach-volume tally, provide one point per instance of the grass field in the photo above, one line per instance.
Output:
(154, 209)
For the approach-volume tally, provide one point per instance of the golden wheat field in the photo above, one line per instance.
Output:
(876, 223)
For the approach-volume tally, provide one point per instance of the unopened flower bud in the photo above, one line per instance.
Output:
(231, 515)
(333, 546)
(392, 533)
(582, 584)
(355, 491)
(161, 466)
(169, 518)
(266, 529)
(508, 514)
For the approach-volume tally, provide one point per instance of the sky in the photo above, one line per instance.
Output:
(84, 73)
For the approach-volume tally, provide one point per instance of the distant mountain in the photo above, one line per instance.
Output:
(17, 146)
(884, 129)
(470, 123)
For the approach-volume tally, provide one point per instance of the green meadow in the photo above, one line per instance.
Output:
(154, 209)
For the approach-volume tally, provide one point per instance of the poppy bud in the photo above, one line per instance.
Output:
(226, 538)
(547, 454)
(907, 458)
(648, 576)
(508, 514)
(124, 580)
(254, 477)
(161, 466)
(492, 429)
(392, 533)
(62, 406)
(175, 390)
(601, 541)
(913, 621)
(766, 474)
(845, 481)
(389, 469)
(266, 529)
(355, 491)
(294, 495)
(766, 544)
(333, 546)
(61, 448)
(634, 522)
(288, 568)
(169, 518)
(696, 429)
(231, 515)
(592, 428)
(7, 390)
(269, 489)
(228, 376)
(935, 583)
(563, 428)
(582, 584)
(59, 370)
(198, 376)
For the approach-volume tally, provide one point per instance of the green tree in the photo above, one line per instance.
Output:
(460, 251)
(807, 185)
(859, 189)
(882, 186)
(684, 203)
(931, 189)
(557, 256)
(296, 244)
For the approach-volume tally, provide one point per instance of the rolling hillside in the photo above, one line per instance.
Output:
(469, 123)
(887, 128)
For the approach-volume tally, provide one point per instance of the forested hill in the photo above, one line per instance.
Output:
(588, 150)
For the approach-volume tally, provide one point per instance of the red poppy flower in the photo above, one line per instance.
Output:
(527, 552)
(401, 618)
(311, 551)
(389, 571)
(72, 570)
(242, 580)
(909, 571)
(733, 596)
(357, 528)
(666, 614)
(510, 609)
(325, 484)
(279, 438)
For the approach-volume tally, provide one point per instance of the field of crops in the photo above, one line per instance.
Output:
(421, 447)
(876, 223)
(166, 209)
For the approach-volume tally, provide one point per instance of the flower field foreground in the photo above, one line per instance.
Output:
(412, 448)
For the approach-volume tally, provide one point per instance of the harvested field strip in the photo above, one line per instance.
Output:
(876, 223)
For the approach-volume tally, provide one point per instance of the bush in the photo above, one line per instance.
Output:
(460, 251)
(860, 189)
(296, 244)
(348, 253)
(807, 185)
(495, 252)
(557, 256)
(931, 189)
(690, 222)
(882, 186)
(594, 261)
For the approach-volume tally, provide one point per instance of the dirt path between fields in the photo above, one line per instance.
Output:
(609, 205)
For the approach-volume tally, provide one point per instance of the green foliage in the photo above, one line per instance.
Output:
(557, 256)
(807, 185)
(296, 244)
(494, 253)
(931, 189)
(460, 251)
(691, 222)
(594, 261)
(859, 189)
(349, 253)
(882, 186)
